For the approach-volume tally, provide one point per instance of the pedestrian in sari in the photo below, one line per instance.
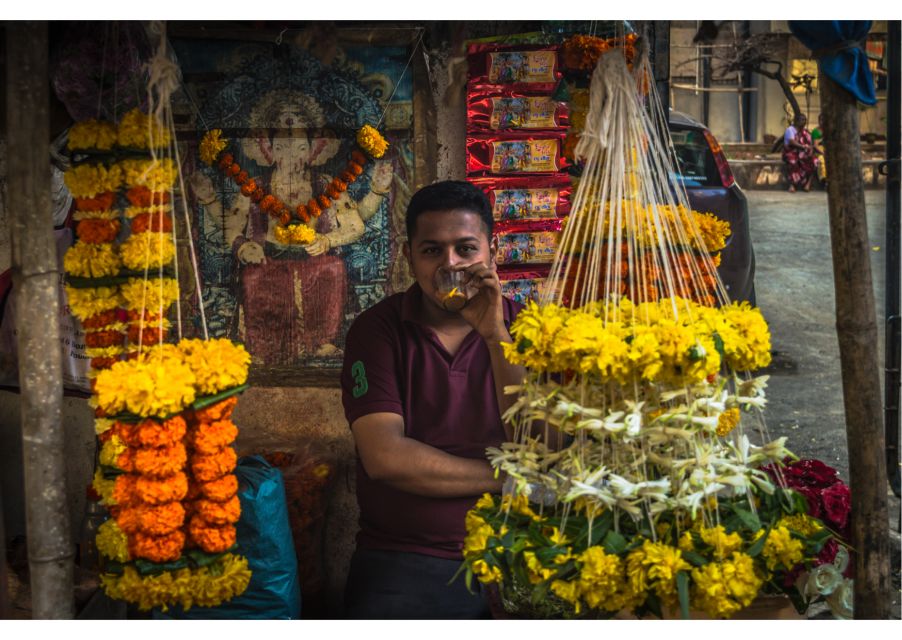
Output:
(799, 155)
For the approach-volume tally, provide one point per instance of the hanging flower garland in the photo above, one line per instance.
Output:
(292, 223)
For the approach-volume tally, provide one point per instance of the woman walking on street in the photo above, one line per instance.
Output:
(799, 155)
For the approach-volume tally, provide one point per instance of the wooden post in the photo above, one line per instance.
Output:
(856, 329)
(36, 282)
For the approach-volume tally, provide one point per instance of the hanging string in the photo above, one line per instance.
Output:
(416, 47)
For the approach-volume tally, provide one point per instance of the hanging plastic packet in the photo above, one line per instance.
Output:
(532, 247)
(533, 198)
(520, 67)
(491, 109)
(523, 284)
(516, 153)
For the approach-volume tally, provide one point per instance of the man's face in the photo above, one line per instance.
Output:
(451, 239)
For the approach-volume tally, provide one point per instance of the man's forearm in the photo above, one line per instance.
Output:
(424, 470)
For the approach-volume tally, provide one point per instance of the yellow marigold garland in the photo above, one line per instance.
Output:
(147, 294)
(147, 250)
(141, 131)
(92, 134)
(156, 175)
(205, 587)
(371, 141)
(88, 302)
(89, 180)
(217, 364)
(295, 234)
(89, 260)
(145, 387)
(211, 145)
(112, 541)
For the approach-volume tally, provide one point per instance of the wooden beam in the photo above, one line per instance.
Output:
(36, 283)
(856, 329)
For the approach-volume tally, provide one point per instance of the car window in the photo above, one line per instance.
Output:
(696, 162)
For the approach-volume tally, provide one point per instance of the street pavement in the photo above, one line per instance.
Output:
(794, 282)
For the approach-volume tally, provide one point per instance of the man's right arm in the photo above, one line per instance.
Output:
(391, 457)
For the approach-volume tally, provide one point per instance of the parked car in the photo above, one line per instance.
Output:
(711, 188)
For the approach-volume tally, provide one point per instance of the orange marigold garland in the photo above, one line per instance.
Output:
(213, 152)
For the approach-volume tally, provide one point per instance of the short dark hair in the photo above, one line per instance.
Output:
(445, 196)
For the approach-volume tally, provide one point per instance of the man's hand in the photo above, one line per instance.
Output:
(485, 309)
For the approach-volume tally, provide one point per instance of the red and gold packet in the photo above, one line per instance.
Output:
(489, 109)
(514, 154)
(534, 247)
(534, 67)
(526, 198)
(523, 284)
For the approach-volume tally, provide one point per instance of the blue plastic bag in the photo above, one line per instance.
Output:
(264, 538)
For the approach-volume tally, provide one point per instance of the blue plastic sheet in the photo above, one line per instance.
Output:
(264, 538)
(838, 45)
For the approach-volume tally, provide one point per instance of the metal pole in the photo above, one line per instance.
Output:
(891, 170)
(856, 329)
(36, 280)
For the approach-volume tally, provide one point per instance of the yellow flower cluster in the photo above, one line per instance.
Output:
(90, 260)
(722, 543)
(140, 131)
(150, 294)
(146, 386)
(727, 421)
(147, 250)
(654, 567)
(371, 141)
(104, 488)
(204, 587)
(800, 523)
(89, 180)
(111, 450)
(112, 541)
(781, 550)
(720, 589)
(156, 175)
(106, 214)
(88, 302)
(211, 145)
(217, 364)
(646, 224)
(648, 341)
(294, 234)
(92, 134)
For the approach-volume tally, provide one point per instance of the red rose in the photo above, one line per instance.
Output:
(827, 552)
(813, 498)
(812, 473)
(837, 504)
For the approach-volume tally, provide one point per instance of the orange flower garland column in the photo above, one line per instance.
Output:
(215, 509)
(148, 496)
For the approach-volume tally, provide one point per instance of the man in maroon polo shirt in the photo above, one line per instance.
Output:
(423, 392)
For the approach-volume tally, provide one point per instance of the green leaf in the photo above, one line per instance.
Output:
(464, 566)
(718, 344)
(749, 519)
(523, 345)
(682, 579)
(206, 401)
(755, 550)
(614, 543)
(654, 604)
(695, 559)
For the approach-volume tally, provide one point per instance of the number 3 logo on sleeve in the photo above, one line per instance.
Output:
(360, 383)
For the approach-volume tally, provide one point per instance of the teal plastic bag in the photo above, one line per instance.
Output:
(264, 538)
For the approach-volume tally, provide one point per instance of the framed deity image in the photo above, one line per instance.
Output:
(290, 104)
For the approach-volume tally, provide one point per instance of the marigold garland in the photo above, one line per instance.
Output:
(145, 388)
(221, 410)
(112, 541)
(141, 131)
(160, 461)
(158, 491)
(91, 134)
(108, 338)
(147, 250)
(217, 364)
(152, 433)
(97, 230)
(162, 548)
(147, 294)
(155, 175)
(91, 180)
(206, 586)
(212, 151)
(87, 260)
(211, 467)
(88, 302)
(208, 439)
(104, 488)
(220, 490)
(154, 221)
(210, 538)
